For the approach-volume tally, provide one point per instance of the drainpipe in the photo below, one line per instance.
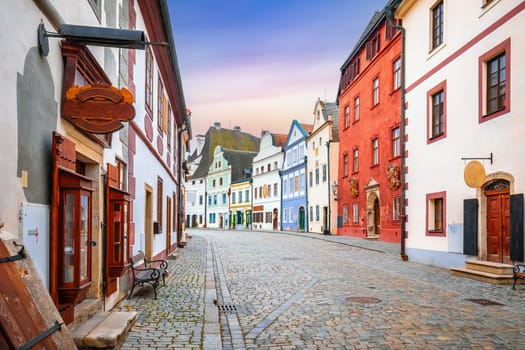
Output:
(179, 192)
(329, 221)
(389, 12)
(307, 219)
(50, 12)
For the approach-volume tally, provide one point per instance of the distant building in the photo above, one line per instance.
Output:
(294, 190)
(199, 163)
(368, 188)
(322, 151)
(266, 169)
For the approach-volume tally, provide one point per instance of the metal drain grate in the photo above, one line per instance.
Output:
(363, 300)
(227, 308)
(484, 302)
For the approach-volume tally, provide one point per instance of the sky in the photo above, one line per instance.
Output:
(260, 64)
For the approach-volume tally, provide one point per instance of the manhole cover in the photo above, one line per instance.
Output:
(484, 302)
(363, 300)
(227, 308)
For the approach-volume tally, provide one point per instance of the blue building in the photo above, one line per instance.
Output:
(293, 179)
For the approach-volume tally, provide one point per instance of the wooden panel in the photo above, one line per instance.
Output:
(470, 227)
(112, 174)
(20, 320)
(494, 252)
(516, 227)
(505, 228)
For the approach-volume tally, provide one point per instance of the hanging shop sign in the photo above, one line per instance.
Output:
(99, 108)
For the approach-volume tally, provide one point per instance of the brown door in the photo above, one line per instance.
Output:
(498, 223)
(377, 217)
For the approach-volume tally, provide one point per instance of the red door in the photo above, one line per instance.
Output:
(498, 223)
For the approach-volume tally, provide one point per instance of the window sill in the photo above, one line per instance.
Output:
(436, 233)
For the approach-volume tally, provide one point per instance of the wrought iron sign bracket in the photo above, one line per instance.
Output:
(21, 255)
(480, 158)
(97, 36)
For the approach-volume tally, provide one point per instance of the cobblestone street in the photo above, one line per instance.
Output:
(305, 291)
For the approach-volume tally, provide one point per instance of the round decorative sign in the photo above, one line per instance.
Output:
(474, 174)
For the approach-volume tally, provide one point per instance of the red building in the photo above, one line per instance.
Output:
(369, 187)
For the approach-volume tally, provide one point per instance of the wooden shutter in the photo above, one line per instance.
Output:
(470, 227)
(516, 227)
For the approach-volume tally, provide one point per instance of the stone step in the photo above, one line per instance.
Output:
(489, 266)
(105, 330)
(483, 276)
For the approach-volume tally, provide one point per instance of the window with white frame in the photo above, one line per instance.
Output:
(396, 142)
(345, 214)
(375, 151)
(397, 73)
(355, 213)
(375, 92)
(356, 108)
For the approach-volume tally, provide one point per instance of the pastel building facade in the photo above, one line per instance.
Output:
(322, 152)
(293, 177)
(266, 181)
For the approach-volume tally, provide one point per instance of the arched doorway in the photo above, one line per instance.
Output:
(275, 217)
(373, 208)
(497, 195)
(302, 219)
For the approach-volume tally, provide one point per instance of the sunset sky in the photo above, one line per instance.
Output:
(259, 64)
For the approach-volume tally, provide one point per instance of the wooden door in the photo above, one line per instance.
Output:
(377, 217)
(498, 226)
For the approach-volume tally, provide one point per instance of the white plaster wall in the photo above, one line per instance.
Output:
(438, 166)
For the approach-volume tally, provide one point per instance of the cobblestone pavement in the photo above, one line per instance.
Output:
(181, 316)
(307, 291)
(296, 293)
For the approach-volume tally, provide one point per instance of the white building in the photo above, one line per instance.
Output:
(83, 194)
(322, 151)
(195, 187)
(267, 182)
(465, 147)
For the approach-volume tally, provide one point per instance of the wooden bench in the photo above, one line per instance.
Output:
(150, 273)
(518, 273)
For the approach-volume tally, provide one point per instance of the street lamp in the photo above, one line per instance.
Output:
(335, 190)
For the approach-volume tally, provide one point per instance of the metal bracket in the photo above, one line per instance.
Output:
(478, 158)
(21, 255)
(40, 337)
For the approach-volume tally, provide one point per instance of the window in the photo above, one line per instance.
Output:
(310, 179)
(213, 183)
(372, 47)
(233, 198)
(345, 164)
(375, 92)
(214, 199)
(496, 83)
(275, 189)
(285, 216)
(161, 107)
(345, 214)
(224, 199)
(240, 196)
(397, 73)
(149, 81)
(311, 213)
(255, 193)
(285, 188)
(356, 160)
(396, 209)
(437, 25)
(269, 166)
(356, 108)
(317, 213)
(122, 174)
(396, 143)
(246, 195)
(317, 176)
(347, 116)
(201, 199)
(324, 172)
(355, 213)
(375, 152)
(437, 113)
(159, 202)
(209, 200)
(168, 128)
(436, 213)
(220, 181)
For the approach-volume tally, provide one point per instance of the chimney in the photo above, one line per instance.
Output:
(217, 125)
(237, 128)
